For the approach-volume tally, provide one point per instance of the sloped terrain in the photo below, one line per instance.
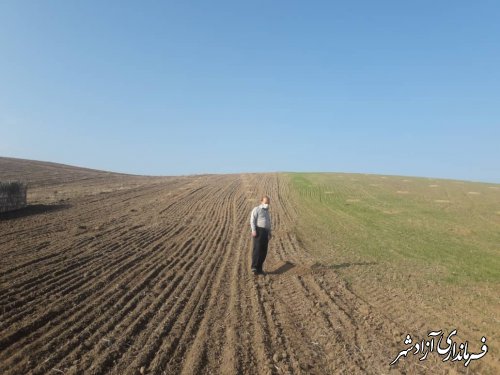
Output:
(151, 275)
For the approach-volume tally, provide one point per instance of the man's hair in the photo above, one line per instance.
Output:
(265, 196)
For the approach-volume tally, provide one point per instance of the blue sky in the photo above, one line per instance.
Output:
(171, 88)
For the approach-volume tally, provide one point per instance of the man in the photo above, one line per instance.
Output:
(260, 223)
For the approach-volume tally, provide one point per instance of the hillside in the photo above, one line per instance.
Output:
(126, 274)
(51, 182)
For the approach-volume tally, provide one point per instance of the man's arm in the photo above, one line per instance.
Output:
(253, 219)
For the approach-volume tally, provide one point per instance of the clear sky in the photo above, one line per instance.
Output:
(182, 87)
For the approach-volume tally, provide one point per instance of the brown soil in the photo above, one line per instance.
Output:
(121, 274)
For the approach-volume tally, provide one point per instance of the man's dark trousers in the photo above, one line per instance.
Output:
(260, 243)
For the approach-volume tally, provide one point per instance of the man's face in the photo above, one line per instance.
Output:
(265, 200)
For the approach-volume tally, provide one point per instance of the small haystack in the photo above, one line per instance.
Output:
(12, 195)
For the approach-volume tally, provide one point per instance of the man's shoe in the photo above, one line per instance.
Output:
(255, 271)
(260, 272)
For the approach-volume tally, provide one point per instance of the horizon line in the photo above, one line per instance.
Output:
(255, 172)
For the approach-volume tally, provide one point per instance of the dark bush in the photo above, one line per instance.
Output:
(11, 187)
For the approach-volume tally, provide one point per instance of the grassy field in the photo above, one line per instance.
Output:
(425, 251)
(448, 230)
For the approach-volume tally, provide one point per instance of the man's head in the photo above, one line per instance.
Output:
(265, 201)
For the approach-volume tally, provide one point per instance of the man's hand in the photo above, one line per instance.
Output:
(254, 234)
(270, 236)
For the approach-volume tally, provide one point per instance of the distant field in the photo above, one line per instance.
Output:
(452, 227)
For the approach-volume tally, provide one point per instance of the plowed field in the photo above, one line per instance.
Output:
(119, 274)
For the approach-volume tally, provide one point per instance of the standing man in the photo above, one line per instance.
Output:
(260, 223)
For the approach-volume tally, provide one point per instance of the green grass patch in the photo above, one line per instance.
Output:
(448, 229)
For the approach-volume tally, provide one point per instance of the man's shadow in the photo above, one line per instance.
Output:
(287, 266)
